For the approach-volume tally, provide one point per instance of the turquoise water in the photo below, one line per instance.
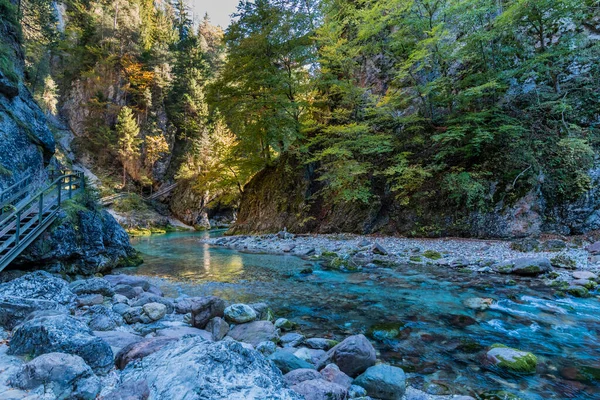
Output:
(441, 343)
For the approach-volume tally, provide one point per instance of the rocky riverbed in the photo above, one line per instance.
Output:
(570, 266)
(119, 337)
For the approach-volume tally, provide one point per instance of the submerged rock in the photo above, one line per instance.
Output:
(383, 382)
(353, 355)
(512, 359)
(478, 303)
(64, 334)
(195, 369)
(386, 330)
(66, 376)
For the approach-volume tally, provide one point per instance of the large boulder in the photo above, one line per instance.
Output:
(92, 286)
(63, 334)
(319, 389)
(353, 355)
(254, 332)
(195, 369)
(383, 382)
(83, 241)
(39, 285)
(240, 313)
(100, 318)
(66, 376)
(37, 291)
(204, 309)
(300, 375)
(118, 339)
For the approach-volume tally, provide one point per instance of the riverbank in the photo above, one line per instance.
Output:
(119, 337)
(565, 264)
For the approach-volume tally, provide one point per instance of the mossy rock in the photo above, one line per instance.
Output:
(137, 232)
(513, 360)
(385, 330)
(416, 259)
(563, 261)
(432, 255)
(500, 395)
(578, 291)
(329, 254)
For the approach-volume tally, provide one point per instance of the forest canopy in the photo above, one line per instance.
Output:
(474, 101)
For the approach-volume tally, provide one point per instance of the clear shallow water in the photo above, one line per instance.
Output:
(442, 343)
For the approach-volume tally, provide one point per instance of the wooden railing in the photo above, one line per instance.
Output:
(32, 217)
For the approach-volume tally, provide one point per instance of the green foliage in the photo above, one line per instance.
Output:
(7, 59)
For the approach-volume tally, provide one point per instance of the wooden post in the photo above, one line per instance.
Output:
(41, 208)
(18, 228)
(59, 186)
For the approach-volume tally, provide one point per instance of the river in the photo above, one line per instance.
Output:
(439, 342)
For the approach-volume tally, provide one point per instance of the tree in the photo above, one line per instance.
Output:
(128, 140)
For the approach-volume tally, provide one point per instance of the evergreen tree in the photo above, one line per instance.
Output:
(128, 139)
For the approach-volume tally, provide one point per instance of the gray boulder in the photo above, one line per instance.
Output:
(218, 328)
(155, 311)
(285, 324)
(92, 286)
(118, 339)
(353, 355)
(383, 382)
(312, 356)
(204, 309)
(127, 291)
(292, 339)
(63, 334)
(287, 361)
(195, 369)
(254, 332)
(300, 375)
(333, 374)
(66, 376)
(100, 318)
(319, 389)
(240, 313)
(14, 310)
(138, 350)
(88, 300)
(146, 298)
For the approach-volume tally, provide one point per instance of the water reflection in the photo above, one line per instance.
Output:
(441, 341)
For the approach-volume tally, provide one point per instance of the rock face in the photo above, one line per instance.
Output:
(27, 142)
(67, 376)
(353, 355)
(383, 382)
(282, 196)
(64, 334)
(83, 241)
(195, 369)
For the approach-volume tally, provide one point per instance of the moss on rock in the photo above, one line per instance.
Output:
(512, 359)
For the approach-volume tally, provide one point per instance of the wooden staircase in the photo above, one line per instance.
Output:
(31, 216)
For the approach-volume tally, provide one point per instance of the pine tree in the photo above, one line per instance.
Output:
(128, 140)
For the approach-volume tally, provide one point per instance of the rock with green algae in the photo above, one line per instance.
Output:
(385, 330)
(578, 291)
(500, 395)
(512, 359)
(432, 255)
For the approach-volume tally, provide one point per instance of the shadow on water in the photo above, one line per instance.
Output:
(434, 337)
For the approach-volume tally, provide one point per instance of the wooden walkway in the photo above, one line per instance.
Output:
(25, 221)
